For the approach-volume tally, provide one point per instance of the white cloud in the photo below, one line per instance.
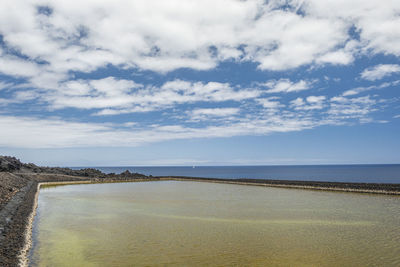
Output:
(298, 102)
(53, 133)
(111, 112)
(270, 103)
(380, 71)
(374, 21)
(358, 90)
(311, 103)
(163, 36)
(211, 113)
(226, 122)
(359, 107)
(130, 124)
(292, 40)
(287, 86)
(336, 57)
(315, 99)
(118, 96)
(5, 85)
(16, 67)
(45, 52)
(342, 56)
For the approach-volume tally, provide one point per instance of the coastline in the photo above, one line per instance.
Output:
(30, 200)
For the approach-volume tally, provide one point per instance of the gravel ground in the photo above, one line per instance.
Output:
(10, 184)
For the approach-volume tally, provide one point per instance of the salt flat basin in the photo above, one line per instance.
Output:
(179, 223)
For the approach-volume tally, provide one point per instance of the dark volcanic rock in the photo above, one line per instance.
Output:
(14, 165)
(10, 184)
(135, 175)
(9, 164)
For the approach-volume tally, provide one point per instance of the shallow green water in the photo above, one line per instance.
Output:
(207, 224)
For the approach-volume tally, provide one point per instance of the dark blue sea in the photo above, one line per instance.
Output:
(388, 173)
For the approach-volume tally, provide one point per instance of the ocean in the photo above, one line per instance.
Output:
(372, 173)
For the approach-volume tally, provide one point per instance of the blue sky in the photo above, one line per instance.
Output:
(188, 82)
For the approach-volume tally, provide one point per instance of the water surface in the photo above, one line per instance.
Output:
(368, 173)
(206, 224)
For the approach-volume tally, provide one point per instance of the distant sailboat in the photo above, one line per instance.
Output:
(193, 166)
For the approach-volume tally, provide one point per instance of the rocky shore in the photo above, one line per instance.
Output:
(19, 186)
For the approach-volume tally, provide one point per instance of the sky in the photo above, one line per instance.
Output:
(190, 82)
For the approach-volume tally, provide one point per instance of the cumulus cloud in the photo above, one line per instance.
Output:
(163, 36)
(45, 41)
(17, 67)
(57, 54)
(374, 22)
(380, 71)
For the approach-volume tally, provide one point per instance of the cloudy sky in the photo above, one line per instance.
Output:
(200, 82)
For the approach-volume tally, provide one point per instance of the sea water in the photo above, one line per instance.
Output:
(373, 173)
(176, 223)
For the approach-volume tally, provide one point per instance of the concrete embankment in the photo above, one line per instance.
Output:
(370, 188)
